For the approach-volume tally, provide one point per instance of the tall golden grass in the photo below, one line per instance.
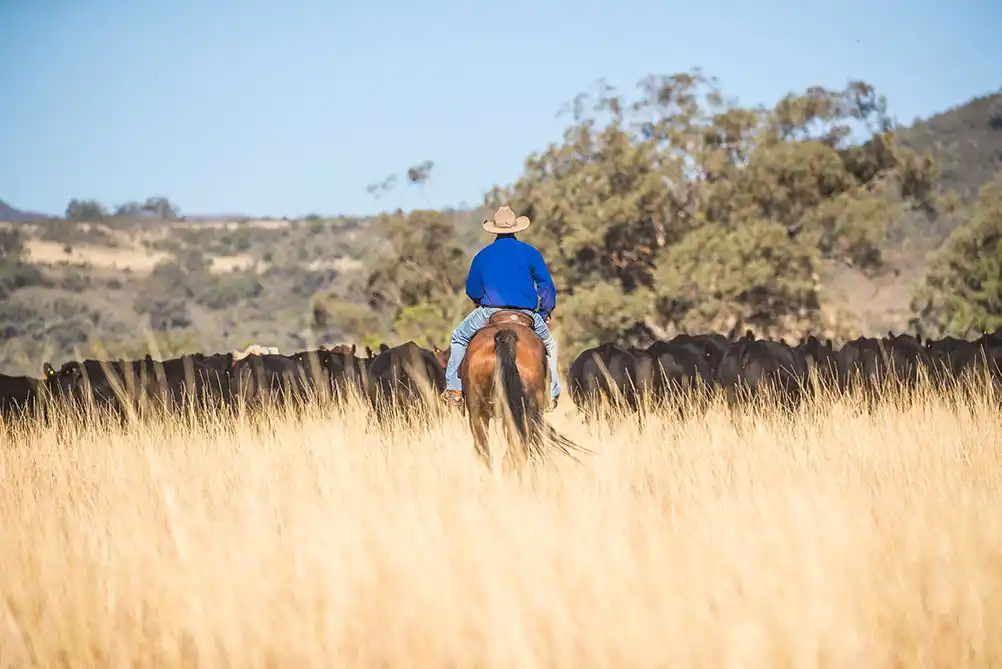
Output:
(832, 537)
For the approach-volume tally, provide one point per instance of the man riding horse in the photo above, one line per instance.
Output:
(511, 275)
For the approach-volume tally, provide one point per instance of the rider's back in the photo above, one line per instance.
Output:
(505, 274)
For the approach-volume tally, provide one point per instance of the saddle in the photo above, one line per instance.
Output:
(510, 316)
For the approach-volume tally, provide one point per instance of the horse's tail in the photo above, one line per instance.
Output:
(525, 414)
(520, 406)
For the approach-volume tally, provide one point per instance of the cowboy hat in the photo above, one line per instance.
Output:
(504, 222)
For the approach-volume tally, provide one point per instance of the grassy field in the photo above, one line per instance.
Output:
(832, 538)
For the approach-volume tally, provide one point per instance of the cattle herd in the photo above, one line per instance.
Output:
(744, 368)
(409, 375)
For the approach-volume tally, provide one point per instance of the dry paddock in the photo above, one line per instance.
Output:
(835, 537)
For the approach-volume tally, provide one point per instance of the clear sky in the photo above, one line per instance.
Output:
(292, 107)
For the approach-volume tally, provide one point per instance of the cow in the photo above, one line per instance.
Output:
(820, 359)
(711, 346)
(607, 371)
(868, 363)
(750, 365)
(333, 371)
(404, 377)
(102, 384)
(189, 380)
(682, 369)
(259, 380)
(991, 346)
(17, 396)
(644, 380)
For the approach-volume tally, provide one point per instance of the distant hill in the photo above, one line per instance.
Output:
(966, 140)
(12, 215)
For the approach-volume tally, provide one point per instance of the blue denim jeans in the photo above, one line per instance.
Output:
(478, 320)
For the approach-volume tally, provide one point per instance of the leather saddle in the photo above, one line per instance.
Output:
(509, 316)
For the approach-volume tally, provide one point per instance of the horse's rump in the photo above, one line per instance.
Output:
(505, 368)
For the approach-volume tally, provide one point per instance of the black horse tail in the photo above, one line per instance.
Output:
(521, 407)
(525, 413)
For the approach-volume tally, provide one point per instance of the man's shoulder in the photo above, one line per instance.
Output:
(527, 247)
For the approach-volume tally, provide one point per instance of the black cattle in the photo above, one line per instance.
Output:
(17, 396)
(750, 365)
(991, 347)
(820, 360)
(906, 356)
(333, 370)
(606, 372)
(712, 347)
(681, 368)
(644, 379)
(258, 380)
(950, 358)
(189, 380)
(859, 364)
(867, 363)
(132, 384)
(404, 377)
(105, 384)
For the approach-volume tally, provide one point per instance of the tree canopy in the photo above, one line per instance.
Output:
(962, 290)
(702, 213)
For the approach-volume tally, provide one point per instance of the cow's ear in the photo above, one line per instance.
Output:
(47, 370)
(353, 349)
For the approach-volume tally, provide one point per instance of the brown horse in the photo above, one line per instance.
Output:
(505, 368)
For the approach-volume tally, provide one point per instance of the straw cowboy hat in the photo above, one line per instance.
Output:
(504, 222)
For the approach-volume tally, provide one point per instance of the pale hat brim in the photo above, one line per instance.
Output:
(504, 222)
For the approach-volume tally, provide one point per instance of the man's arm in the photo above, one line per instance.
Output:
(475, 281)
(545, 289)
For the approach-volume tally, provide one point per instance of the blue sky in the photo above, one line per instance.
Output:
(286, 108)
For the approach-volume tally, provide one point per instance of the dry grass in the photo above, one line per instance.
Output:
(134, 258)
(834, 538)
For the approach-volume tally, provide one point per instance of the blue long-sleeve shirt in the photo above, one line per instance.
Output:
(510, 273)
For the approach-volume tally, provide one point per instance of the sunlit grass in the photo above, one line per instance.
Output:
(831, 536)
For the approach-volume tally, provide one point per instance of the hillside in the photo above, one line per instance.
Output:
(12, 215)
(967, 143)
(81, 289)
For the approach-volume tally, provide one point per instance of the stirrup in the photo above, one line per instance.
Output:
(453, 397)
